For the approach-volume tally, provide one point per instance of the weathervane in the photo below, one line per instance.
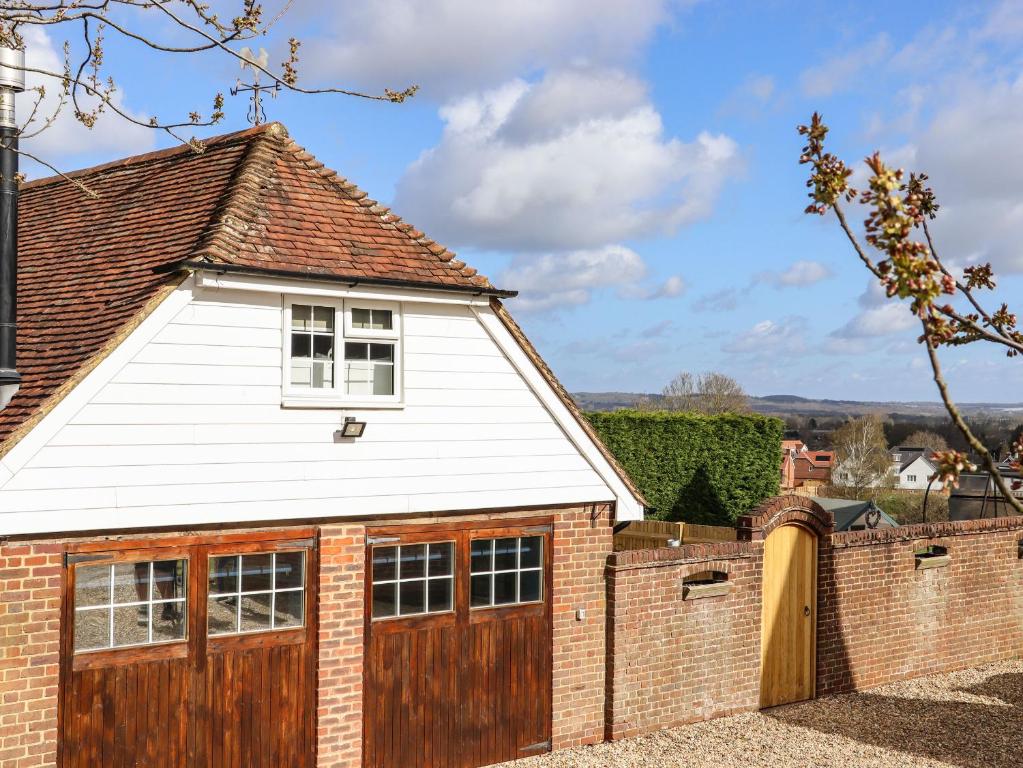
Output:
(256, 114)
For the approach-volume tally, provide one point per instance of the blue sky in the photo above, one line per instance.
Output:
(631, 167)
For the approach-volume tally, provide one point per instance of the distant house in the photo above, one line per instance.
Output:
(912, 469)
(853, 515)
(801, 466)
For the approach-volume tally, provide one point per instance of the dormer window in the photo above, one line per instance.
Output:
(341, 353)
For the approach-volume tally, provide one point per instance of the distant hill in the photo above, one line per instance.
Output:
(794, 405)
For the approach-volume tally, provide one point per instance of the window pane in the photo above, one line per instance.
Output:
(361, 318)
(440, 594)
(383, 320)
(413, 596)
(301, 345)
(529, 586)
(255, 612)
(384, 600)
(480, 555)
(358, 378)
(383, 379)
(169, 579)
(504, 554)
(223, 574)
(531, 547)
(441, 559)
(356, 351)
(384, 563)
(289, 570)
(323, 319)
(301, 316)
(504, 588)
(222, 615)
(92, 628)
(131, 582)
(92, 585)
(288, 609)
(131, 625)
(257, 572)
(323, 347)
(479, 590)
(381, 352)
(323, 374)
(413, 562)
(168, 622)
(301, 374)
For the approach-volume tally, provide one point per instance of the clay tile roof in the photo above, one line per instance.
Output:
(91, 268)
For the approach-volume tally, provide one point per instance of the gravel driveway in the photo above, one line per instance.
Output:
(969, 718)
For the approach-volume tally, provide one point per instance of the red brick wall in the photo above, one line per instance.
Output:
(341, 598)
(29, 651)
(673, 660)
(582, 543)
(880, 619)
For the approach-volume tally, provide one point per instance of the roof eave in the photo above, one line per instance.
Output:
(326, 277)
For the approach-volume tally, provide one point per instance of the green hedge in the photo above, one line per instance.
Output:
(693, 467)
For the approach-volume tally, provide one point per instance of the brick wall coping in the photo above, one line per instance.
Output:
(686, 554)
(926, 531)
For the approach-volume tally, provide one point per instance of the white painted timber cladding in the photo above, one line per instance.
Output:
(189, 429)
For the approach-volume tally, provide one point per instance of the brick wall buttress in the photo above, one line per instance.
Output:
(341, 599)
(30, 576)
(675, 660)
(582, 543)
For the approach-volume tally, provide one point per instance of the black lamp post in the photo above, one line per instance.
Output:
(12, 81)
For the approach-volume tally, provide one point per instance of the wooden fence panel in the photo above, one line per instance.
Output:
(652, 534)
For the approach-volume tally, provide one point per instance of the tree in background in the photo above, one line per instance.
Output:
(930, 441)
(951, 308)
(861, 455)
(705, 393)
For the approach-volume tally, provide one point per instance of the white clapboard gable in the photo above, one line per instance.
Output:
(183, 425)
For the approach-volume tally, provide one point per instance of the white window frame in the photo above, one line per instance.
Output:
(335, 396)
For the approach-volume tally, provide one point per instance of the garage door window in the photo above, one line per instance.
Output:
(129, 604)
(413, 579)
(256, 592)
(506, 571)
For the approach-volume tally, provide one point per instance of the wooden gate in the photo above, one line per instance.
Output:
(788, 633)
(458, 646)
(189, 654)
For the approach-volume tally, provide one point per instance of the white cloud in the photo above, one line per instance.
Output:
(450, 46)
(752, 97)
(970, 150)
(884, 320)
(799, 274)
(838, 72)
(67, 137)
(575, 161)
(725, 300)
(670, 288)
(772, 338)
(552, 281)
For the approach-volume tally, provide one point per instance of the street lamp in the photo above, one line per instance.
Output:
(12, 81)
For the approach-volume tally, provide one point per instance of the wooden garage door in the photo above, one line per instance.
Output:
(458, 646)
(196, 654)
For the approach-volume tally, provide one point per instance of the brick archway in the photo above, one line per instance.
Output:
(779, 510)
